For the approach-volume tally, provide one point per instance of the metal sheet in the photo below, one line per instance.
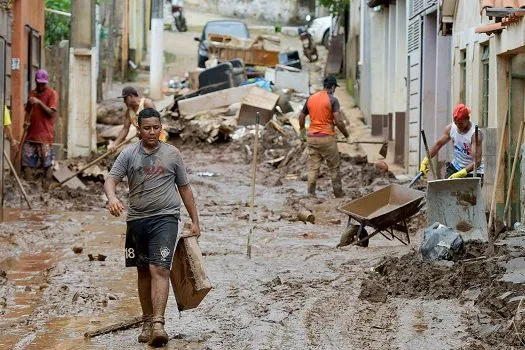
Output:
(335, 55)
(458, 204)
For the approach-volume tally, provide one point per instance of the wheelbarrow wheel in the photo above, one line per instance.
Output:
(349, 235)
(362, 235)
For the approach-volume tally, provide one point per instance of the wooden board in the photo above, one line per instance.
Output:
(63, 173)
(258, 100)
(213, 100)
(335, 55)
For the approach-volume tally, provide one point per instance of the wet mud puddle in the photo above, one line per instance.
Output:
(53, 295)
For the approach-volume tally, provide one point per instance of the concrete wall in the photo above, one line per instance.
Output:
(377, 69)
(25, 13)
(275, 11)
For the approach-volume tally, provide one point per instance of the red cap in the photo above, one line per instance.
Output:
(461, 112)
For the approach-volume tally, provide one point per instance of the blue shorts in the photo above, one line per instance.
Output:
(151, 241)
(37, 155)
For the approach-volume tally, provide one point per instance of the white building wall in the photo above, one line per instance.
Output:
(400, 57)
(378, 58)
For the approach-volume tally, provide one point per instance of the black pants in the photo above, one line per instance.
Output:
(452, 169)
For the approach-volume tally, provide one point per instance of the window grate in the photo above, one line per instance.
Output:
(413, 36)
(485, 87)
(416, 6)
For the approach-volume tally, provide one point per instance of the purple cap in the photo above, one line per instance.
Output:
(41, 76)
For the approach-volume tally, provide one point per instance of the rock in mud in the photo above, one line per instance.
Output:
(77, 249)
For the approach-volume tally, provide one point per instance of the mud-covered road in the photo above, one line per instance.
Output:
(297, 292)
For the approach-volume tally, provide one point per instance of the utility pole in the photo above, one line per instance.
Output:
(156, 67)
(82, 117)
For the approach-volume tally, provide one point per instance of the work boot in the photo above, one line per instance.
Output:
(158, 336)
(146, 329)
(311, 190)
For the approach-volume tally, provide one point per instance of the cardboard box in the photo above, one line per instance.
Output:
(258, 100)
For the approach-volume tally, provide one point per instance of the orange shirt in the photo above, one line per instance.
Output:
(321, 106)
(42, 127)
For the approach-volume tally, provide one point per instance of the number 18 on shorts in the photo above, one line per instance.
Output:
(151, 241)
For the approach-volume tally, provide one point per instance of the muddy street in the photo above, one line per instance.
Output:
(298, 291)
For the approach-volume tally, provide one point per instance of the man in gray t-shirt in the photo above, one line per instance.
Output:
(156, 177)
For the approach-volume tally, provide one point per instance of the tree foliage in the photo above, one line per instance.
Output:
(337, 7)
(57, 26)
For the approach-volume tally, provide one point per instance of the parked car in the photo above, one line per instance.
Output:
(320, 30)
(222, 27)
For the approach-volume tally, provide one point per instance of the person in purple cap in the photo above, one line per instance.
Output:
(41, 109)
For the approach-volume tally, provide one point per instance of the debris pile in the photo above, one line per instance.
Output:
(477, 276)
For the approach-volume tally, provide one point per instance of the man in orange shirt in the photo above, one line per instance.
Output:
(323, 108)
(41, 109)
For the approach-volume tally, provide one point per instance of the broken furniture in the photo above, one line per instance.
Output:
(386, 210)
(217, 78)
(257, 100)
(262, 51)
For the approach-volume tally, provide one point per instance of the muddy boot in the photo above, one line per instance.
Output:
(158, 336)
(48, 178)
(146, 329)
(311, 189)
(338, 187)
(29, 173)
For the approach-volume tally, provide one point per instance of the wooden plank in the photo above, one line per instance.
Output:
(258, 100)
(335, 55)
(213, 100)
(63, 173)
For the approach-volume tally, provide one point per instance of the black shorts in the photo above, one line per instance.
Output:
(151, 241)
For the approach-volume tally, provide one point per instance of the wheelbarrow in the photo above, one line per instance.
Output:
(386, 211)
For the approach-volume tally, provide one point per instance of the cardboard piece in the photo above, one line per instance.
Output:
(213, 100)
(258, 100)
(63, 173)
(188, 278)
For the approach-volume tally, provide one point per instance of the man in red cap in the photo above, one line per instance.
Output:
(40, 117)
(461, 132)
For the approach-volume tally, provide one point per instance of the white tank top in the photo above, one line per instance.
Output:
(462, 144)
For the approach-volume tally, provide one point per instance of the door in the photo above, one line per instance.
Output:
(414, 93)
(516, 116)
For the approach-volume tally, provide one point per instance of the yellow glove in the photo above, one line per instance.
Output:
(302, 135)
(460, 174)
(424, 166)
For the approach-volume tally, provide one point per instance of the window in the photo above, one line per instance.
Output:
(33, 58)
(485, 54)
(463, 76)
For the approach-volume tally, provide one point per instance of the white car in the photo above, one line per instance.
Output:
(320, 30)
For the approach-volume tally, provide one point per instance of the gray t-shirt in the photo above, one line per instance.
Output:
(153, 179)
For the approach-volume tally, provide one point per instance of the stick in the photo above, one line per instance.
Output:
(17, 180)
(476, 154)
(428, 155)
(90, 164)
(254, 172)
(115, 327)
(501, 154)
(27, 123)
(513, 172)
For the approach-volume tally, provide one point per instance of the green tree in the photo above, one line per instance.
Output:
(336, 7)
(57, 26)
